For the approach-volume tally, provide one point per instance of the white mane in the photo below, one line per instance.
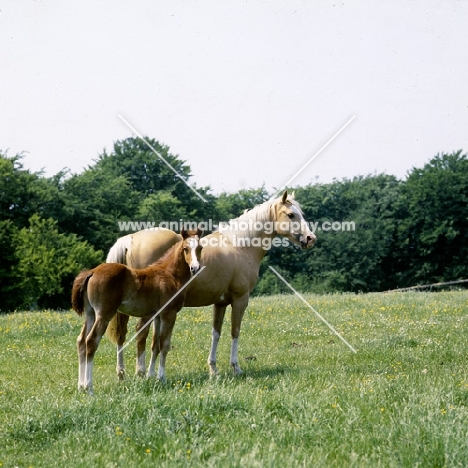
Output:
(246, 225)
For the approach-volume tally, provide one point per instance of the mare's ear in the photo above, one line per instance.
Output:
(285, 196)
(184, 234)
(293, 195)
(199, 232)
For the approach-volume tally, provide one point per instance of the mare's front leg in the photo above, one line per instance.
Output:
(238, 308)
(218, 316)
(167, 326)
(141, 345)
(155, 346)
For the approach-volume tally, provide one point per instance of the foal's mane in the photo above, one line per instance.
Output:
(165, 259)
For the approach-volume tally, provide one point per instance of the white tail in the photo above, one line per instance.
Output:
(118, 252)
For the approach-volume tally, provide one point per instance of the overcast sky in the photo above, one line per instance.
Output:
(244, 91)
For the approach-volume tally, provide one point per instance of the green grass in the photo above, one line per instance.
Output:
(304, 399)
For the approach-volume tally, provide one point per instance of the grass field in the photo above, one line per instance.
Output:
(304, 399)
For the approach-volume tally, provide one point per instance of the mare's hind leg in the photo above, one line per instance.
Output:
(120, 322)
(218, 316)
(167, 325)
(141, 345)
(155, 346)
(81, 345)
(120, 367)
(238, 308)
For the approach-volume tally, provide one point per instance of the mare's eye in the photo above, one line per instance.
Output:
(290, 215)
(185, 249)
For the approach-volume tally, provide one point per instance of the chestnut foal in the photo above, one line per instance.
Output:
(99, 292)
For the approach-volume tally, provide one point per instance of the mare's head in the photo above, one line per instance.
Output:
(192, 248)
(290, 222)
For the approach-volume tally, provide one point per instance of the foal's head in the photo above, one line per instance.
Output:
(192, 248)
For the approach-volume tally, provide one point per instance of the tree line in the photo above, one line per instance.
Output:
(406, 232)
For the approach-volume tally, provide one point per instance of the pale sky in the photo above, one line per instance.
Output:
(244, 91)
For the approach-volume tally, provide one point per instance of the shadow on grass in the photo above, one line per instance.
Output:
(144, 386)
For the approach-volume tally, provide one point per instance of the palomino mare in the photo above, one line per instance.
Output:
(232, 257)
(138, 292)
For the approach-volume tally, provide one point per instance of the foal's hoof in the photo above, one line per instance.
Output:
(237, 370)
(213, 370)
(121, 374)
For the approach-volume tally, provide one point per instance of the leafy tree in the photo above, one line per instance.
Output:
(93, 203)
(23, 193)
(131, 183)
(148, 174)
(232, 205)
(433, 231)
(145, 171)
(269, 283)
(9, 290)
(161, 206)
(47, 262)
(15, 195)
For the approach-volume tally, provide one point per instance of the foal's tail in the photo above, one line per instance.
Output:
(79, 289)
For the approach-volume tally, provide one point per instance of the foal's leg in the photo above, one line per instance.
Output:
(141, 345)
(238, 308)
(218, 317)
(92, 342)
(167, 325)
(155, 346)
(81, 345)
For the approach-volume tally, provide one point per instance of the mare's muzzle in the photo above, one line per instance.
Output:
(307, 241)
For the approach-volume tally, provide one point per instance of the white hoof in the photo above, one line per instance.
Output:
(85, 389)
